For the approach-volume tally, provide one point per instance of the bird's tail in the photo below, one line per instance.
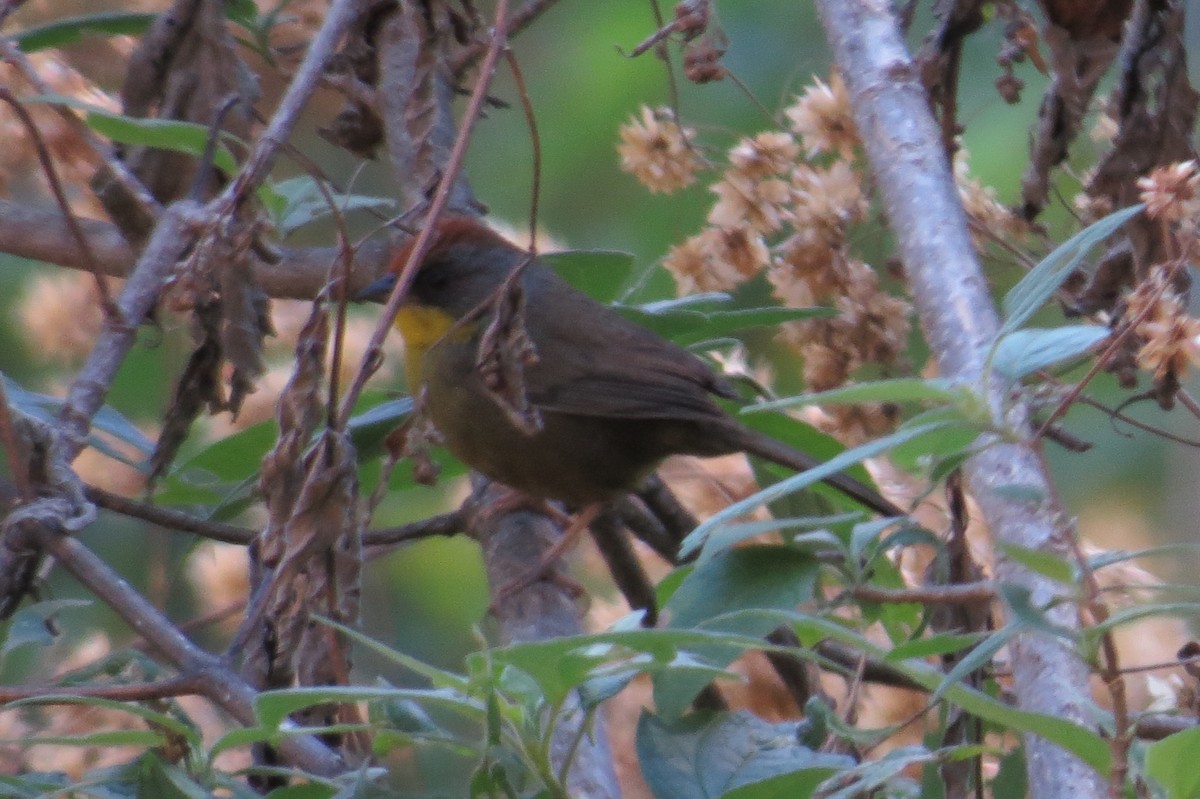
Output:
(756, 443)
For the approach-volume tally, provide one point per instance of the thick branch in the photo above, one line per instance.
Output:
(540, 610)
(960, 322)
(44, 235)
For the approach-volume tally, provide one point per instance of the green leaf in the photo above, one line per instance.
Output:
(29, 625)
(1011, 780)
(1050, 566)
(941, 644)
(600, 274)
(439, 678)
(273, 707)
(711, 596)
(1033, 290)
(206, 477)
(562, 664)
(299, 201)
(976, 659)
(369, 429)
(46, 408)
(72, 29)
(1172, 763)
(34, 786)
(166, 134)
(726, 754)
(687, 325)
(141, 738)
(865, 778)
(1023, 352)
(1081, 741)
(731, 534)
(751, 577)
(310, 790)
(152, 717)
(166, 781)
(904, 389)
(698, 537)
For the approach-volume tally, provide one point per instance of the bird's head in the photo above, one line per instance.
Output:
(465, 262)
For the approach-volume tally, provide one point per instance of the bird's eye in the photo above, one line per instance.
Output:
(434, 279)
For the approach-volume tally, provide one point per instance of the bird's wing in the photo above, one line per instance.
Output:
(595, 362)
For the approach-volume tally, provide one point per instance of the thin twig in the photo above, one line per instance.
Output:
(535, 190)
(417, 250)
(308, 76)
(168, 518)
(521, 19)
(184, 685)
(1114, 343)
(90, 387)
(298, 273)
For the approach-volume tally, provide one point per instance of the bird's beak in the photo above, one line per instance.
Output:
(377, 291)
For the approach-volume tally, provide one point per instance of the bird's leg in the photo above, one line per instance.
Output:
(551, 556)
(502, 499)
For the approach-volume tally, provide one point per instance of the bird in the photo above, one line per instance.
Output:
(612, 399)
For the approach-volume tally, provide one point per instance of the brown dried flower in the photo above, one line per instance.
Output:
(766, 155)
(1170, 337)
(827, 199)
(821, 118)
(658, 152)
(760, 205)
(717, 259)
(1169, 192)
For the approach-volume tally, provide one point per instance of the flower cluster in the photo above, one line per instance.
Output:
(784, 206)
(1170, 338)
(989, 217)
(658, 151)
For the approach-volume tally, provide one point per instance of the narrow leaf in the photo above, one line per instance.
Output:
(1022, 352)
(698, 537)
(1033, 290)
(903, 389)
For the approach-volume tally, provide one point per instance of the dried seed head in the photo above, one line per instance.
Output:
(658, 152)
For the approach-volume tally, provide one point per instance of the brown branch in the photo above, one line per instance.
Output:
(17, 470)
(87, 392)
(299, 273)
(447, 524)
(301, 87)
(539, 610)
(168, 518)
(215, 680)
(1157, 726)
(60, 197)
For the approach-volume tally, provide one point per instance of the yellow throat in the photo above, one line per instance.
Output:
(421, 326)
